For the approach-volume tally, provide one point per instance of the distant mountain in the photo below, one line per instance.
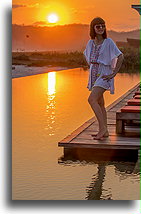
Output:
(122, 36)
(58, 38)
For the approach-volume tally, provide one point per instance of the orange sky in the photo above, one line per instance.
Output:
(118, 14)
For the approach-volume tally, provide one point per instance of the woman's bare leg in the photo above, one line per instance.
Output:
(93, 99)
(102, 105)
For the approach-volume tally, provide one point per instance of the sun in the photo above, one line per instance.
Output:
(52, 18)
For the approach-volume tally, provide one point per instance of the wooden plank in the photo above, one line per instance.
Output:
(109, 122)
(132, 129)
(78, 130)
(137, 97)
(106, 143)
(129, 133)
(134, 102)
(97, 145)
(127, 116)
(107, 139)
(131, 109)
(94, 128)
(138, 93)
(112, 129)
(111, 115)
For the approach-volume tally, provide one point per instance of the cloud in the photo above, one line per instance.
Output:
(39, 23)
(33, 5)
(84, 10)
(73, 10)
(88, 9)
(14, 6)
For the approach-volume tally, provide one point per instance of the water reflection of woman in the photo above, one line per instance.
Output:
(105, 60)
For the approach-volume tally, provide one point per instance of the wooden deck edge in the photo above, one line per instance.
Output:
(102, 146)
(80, 129)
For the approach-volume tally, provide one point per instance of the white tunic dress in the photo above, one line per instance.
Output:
(107, 61)
(93, 59)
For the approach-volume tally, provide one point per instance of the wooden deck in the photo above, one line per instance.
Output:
(129, 140)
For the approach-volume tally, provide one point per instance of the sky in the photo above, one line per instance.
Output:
(118, 14)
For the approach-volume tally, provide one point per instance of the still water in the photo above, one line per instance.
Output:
(45, 109)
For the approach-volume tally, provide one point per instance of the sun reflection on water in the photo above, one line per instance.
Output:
(51, 83)
(50, 108)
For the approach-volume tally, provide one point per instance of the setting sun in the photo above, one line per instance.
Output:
(52, 18)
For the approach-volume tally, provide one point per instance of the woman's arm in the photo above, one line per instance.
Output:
(119, 63)
(116, 69)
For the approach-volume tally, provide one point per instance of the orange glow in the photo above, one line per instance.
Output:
(118, 14)
(54, 9)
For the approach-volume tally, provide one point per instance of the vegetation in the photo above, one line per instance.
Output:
(131, 59)
(68, 59)
(72, 59)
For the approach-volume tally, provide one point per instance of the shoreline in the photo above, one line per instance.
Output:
(24, 70)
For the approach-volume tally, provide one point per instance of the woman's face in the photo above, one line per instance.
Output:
(99, 29)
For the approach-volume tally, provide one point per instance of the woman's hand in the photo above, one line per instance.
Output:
(108, 77)
(115, 71)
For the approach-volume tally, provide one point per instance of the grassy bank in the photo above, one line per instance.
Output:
(131, 59)
(71, 59)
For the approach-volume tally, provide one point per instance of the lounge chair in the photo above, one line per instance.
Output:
(137, 93)
(126, 113)
(134, 102)
(137, 96)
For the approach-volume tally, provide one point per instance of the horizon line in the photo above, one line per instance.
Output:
(41, 26)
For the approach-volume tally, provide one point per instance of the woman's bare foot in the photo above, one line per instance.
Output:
(106, 134)
(98, 138)
(101, 134)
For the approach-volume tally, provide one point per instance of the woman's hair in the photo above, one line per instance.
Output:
(94, 22)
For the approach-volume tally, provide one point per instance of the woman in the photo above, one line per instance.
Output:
(105, 60)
